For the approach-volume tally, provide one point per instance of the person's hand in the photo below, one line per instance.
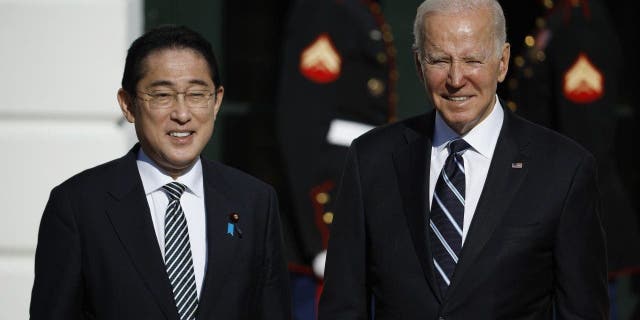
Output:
(318, 264)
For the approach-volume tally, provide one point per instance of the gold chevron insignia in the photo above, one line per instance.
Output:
(583, 82)
(320, 62)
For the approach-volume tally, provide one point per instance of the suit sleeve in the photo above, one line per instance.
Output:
(57, 289)
(580, 254)
(345, 294)
(275, 296)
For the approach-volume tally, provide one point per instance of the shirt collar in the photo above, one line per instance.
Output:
(482, 138)
(153, 178)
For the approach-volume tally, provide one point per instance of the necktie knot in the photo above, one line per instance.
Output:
(458, 145)
(174, 190)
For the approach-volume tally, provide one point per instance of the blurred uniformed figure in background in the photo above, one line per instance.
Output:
(568, 79)
(337, 81)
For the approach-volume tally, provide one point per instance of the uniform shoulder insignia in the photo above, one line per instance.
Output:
(583, 82)
(320, 62)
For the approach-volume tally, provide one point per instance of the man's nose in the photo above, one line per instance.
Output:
(181, 112)
(456, 75)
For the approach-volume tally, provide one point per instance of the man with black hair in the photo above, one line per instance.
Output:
(163, 233)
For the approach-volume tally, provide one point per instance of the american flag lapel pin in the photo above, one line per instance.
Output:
(516, 165)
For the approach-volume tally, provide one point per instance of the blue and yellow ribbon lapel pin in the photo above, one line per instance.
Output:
(232, 225)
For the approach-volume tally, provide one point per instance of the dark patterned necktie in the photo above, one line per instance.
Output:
(177, 254)
(447, 214)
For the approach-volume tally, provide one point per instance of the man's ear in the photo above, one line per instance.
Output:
(416, 60)
(504, 61)
(126, 105)
(218, 101)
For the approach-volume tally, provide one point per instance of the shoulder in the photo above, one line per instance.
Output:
(545, 142)
(83, 194)
(98, 176)
(387, 138)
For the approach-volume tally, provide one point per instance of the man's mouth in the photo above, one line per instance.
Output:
(180, 134)
(458, 98)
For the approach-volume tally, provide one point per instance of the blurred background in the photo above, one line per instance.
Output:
(302, 78)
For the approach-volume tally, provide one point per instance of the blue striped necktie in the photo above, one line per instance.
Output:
(177, 254)
(447, 214)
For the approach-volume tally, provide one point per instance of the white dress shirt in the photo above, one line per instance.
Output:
(192, 202)
(482, 138)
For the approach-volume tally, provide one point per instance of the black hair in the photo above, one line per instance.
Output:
(160, 38)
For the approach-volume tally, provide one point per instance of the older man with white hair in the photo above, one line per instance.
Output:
(467, 211)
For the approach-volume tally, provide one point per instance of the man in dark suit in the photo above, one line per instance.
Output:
(466, 212)
(162, 233)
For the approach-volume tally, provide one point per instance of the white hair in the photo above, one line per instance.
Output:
(458, 6)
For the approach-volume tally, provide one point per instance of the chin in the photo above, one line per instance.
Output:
(180, 159)
(457, 119)
(182, 162)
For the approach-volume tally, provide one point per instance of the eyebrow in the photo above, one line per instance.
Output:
(159, 83)
(198, 81)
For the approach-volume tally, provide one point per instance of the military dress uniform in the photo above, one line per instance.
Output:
(568, 79)
(337, 81)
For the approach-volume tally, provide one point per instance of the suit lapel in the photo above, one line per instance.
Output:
(129, 214)
(411, 162)
(221, 247)
(502, 183)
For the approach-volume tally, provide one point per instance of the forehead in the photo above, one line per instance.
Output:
(175, 66)
(458, 33)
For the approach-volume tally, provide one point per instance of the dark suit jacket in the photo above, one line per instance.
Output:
(98, 257)
(535, 238)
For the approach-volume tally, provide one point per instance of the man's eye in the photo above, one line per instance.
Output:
(437, 61)
(196, 94)
(161, 94)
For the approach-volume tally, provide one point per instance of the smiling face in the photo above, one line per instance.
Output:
(461, 68)
(172, 137)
